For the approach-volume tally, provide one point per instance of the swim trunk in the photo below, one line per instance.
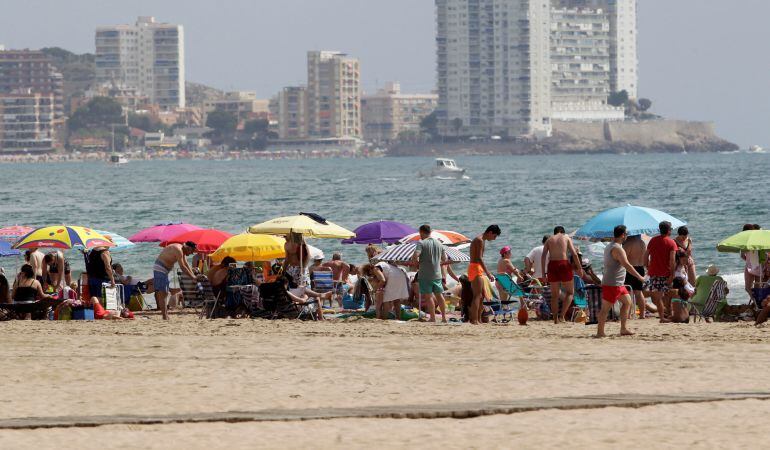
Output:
(658, 284)
(340, 288)
(99, 312)
(474, 271)
(160, 277)
(428, 287)
(612, 294)
(95, 287)
(633, 281)
(560, 272)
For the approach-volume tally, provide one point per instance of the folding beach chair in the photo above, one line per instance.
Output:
(514, 290)
(275, 303)
(323, 282)
(717, 294)
(198, 296)
(237, 278)
(580, 300)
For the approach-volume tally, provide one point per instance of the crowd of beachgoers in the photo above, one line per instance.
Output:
(642, 277)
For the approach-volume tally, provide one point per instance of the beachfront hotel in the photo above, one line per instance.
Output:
(333, 95)
(511, 67)
(148, 56)
(388, 113)
(27, 121)
(32, 70)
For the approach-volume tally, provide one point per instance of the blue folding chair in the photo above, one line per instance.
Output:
(323, 282)
(580, 299)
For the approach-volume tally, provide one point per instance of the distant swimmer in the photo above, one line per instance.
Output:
(172, 254)
(555, 262)
(477, 270)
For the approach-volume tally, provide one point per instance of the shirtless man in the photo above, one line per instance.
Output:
(478, 269)
(340, 272)
(560, 271)
(36, 261)
(635, 249)
(173, 254)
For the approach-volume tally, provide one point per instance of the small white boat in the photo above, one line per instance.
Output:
(446, 169)
(756, 149)
(116, 159)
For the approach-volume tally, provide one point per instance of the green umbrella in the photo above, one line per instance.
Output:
(755, 240)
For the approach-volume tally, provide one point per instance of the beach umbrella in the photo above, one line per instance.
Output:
(402, 253)
(638, 220)
(206, 240)
(450, 238)
(120, 242)
(6, 250)
(63, 237)
(747, 241)
(382, 232)
(251, 247)
(162, 232)
(308, 225)
(13, 233)
(315, 252)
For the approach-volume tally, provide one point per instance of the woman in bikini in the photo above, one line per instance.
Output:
(297, 259)
(684, 243)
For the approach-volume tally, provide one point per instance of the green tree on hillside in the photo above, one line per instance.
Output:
(99, 113)
(222, 122)
(645, 104)
(618, 98)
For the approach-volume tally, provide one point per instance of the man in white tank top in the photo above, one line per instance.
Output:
(616, 266)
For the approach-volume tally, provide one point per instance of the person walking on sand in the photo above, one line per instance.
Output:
(172, 254)
(477, 270)
(429, 254)
(560, 272)
(660, 263)
(635, 247)
(616, 267)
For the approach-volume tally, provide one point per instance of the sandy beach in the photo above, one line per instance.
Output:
(187, 366)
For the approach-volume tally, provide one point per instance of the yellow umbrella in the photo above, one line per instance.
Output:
(251, 247)
(303, 225)
(63, 237)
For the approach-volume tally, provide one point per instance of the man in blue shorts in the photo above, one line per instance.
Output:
(430, 255)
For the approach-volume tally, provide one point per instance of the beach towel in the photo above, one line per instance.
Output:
(717, 294)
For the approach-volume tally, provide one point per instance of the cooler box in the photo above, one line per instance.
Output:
(82, 314)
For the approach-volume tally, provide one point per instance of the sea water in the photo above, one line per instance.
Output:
(526, 195)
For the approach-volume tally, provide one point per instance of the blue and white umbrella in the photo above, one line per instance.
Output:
(638, 221)
(120, 242)
(403, 253)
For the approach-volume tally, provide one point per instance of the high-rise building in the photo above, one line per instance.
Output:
(33, 71)
(494, 71)
(148, 56)
(292, 113)
(27, 121)
(624, 60)
(507, 67)
(333, 95)
(388, 113)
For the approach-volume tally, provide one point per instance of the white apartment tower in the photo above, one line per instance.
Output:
(508, 67)
(148, 56)
(494, 72)
(333, 95)
(624, 59)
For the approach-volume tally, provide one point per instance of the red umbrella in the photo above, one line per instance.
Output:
(15, 232)
(162, 232)
(208, 241)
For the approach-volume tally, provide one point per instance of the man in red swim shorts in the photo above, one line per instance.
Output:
(616, 266)
(560, 272)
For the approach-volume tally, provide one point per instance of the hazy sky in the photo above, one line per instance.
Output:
(699, 59)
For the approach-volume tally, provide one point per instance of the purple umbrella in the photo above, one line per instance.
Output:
(380, 232)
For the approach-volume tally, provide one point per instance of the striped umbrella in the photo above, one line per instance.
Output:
(404, 252)
(120, 242)
(11, 234)
(451, 238)
(63, 237)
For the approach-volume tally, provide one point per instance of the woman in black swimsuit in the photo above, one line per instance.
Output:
(684, 243)
(26, 288)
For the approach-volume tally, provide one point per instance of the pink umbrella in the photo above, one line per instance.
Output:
(207, 241)
(163, 232)
(14, 232)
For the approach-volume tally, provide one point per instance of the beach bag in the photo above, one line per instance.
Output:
(136, 303)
